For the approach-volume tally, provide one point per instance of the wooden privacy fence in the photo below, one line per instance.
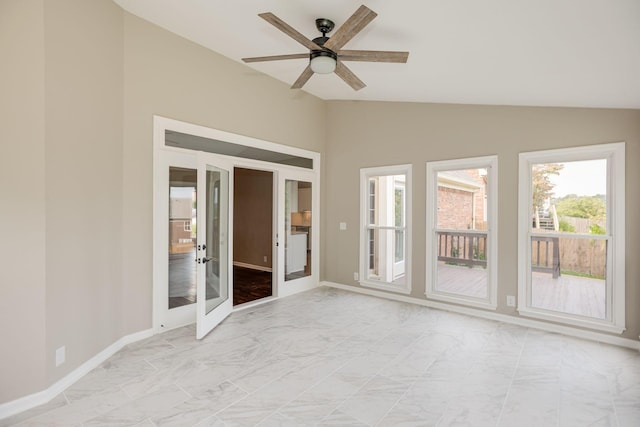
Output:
(576, 255)
(462, 247)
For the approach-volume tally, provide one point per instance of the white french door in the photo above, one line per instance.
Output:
(297, 226)
(193, 221)
(214, 277)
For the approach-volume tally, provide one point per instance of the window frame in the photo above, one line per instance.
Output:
(491, 164)
(614, 153)
(365, 197)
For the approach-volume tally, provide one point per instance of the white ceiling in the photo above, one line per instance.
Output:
(583, 53)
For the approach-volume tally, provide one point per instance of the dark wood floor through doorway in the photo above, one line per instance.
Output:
(250, 285)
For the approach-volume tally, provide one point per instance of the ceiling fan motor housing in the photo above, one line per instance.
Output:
(324, 25)
(320, 41)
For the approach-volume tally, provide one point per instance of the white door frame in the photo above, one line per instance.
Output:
(165, 156)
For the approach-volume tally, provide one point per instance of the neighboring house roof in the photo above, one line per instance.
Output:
(459, 179)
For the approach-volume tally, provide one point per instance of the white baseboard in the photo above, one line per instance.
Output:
(251, 266)
(296, 286)
(31, 401)
(520, 321)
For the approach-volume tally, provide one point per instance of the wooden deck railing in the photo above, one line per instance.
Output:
(545, 255)
(469, 248)
(463, 247)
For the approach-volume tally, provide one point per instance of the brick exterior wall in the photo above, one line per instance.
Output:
(455, 207)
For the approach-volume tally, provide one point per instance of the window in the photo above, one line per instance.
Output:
(571, 236)
(461, 244)
(385, 224)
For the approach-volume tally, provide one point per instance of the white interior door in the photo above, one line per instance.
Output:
(214, 276)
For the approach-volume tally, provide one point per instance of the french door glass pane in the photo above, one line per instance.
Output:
(298, 229)
(182, 236)
(461, 235)
(217, 231)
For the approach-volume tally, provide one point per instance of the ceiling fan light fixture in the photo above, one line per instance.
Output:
(323, 62)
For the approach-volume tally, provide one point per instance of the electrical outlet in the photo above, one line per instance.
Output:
(265, 258)
(60, 356)
(356, 276)
(343, 226)
(511, 300)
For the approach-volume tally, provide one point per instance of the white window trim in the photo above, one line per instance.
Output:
(365, 174)
(615, 153)
(491, 163)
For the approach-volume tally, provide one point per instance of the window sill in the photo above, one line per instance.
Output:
(461, 300)
(386, 287)
(570, 320)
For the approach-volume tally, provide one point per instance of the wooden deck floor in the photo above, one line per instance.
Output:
(462, 280)
(567, 294)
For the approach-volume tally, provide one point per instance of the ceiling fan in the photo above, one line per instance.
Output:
(326, 54)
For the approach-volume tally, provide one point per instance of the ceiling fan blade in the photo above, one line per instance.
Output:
(289, 30)
(347, 75)
(276, 57)
(304, 77)
(350, 28)
(373, 56)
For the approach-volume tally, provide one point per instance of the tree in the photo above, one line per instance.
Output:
(591, 207)
(542, 185)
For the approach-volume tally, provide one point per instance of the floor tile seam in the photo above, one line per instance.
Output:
(313, 385)
(268, 383)
(506, 397)
(615, 407)
(318, 382)
(399, 399)
(156, 368)
(183, 390)
(362, 387)
(236, 385)
(216, 413)
(352, 416)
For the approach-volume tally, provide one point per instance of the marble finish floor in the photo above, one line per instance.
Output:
(330, 357)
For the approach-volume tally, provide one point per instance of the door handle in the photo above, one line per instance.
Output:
(205, 259)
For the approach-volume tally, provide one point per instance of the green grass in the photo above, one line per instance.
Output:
(579, 274)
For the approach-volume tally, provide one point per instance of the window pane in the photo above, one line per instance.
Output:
(386, 251)
(182, 236)
(570, 197)
(569, 275)
(386, 201)
(461, 199)
(297, 229)
(461, 236)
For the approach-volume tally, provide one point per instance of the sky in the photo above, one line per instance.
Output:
(583, 178)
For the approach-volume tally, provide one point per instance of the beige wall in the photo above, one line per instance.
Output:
(81, 83)
(22, 207)
(172, 77)
(83, 111)
(364, 134)
(252, 217)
